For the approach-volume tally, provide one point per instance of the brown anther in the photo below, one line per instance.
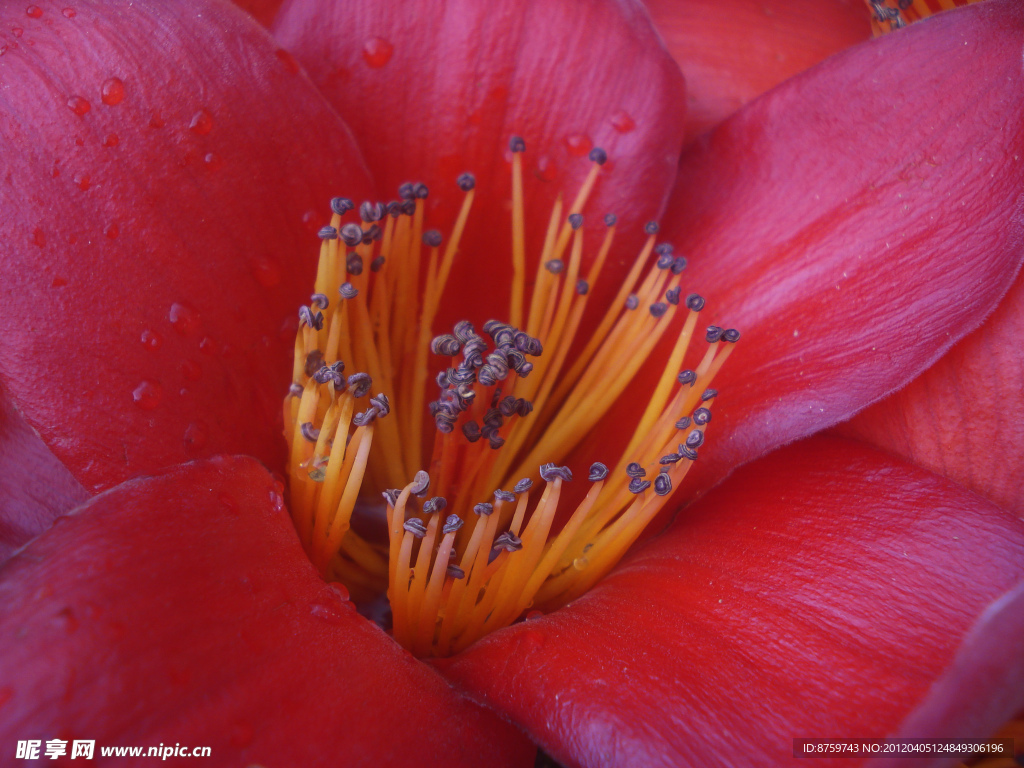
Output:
(314, 362)
(451, 524)
(508, 541)
(708, 394)
(416, 527)
(687, 377)
(598, 155)
(310, 432)
(466, 181)
(420, 483)
(484, 508)
(638, 485)
(701, 416)
(663, 484)
(598, 471)
(550, 472)
(341, 205)
(633, 469)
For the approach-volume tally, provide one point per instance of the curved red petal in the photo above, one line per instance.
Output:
(984, 686)
(161, 159)
(181, 609)
(818, 593)
(263, 11)
(854, 224)
(961, 417)
(433, 88)
(733, 51)
(34, 487)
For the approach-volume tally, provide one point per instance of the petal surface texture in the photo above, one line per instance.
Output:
(733, 51)
(156, 183)
(34, 487)
(181, 609)
(961, 417)
(821, 591)
(850, 249)
(433, 88)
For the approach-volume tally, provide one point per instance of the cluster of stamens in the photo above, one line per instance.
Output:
(463, 555)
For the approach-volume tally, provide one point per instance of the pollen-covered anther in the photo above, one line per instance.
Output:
(507, 407)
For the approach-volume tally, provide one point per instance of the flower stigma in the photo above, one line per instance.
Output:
(471, 480)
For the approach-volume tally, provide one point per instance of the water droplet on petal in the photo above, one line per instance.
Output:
(310, 219)
(38, 238)
(78, 105)
(70, 13)
(157, 122)
(578, 144)
(196, 436)
(151, 340)
(230, 503)
(58, 282)
(184, 319)
(18, 31)
(546, 169)
(622, 121)
(112, 91)
(329, 613)
(377, 52)
(207, 346)
(580, 563)
(213, 161)
(534, 615)
(202, 122)
(112, 230)
(288, 60)
(111, 140)
(266, 271)
(191, 370)
(340, 590)
(148, 395)
(34, 11)
(83, 181)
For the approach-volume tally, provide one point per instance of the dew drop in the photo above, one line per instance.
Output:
(377, 52)
(266, 271)
(622, 121)
(288, 60)
(546, 169)
(578, 144)
(151, 340)
(530, 640)
(207, 346)
(148, 395)
(83, 181)
(196, 436)
(310, 219)
(580, 563)
(34, 11)
(191, 370)
(329, 613)
(213, 161)
(112, 91)
(112, 230)
(55, 171)
(69, 13)
(157, 122)
(18, 31)
(184, 318)
(111, 140)
(202, 123)
(78, 105)
(340, 590)
(58, 282)
(38, 238)
(230, 502)
(534, 615)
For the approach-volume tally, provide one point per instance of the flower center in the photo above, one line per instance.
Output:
(471, 545)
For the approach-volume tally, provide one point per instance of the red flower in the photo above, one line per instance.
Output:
(856, 222)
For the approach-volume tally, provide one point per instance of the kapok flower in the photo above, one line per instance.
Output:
(510, 411)
(826, 588)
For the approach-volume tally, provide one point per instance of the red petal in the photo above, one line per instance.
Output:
(961, 417)
(155, 242)
(433, 88)
(855, 222)
(261, 10)
(818, 593)
(181, 609)
(34, 487)
(985, 684)
(735, 50)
